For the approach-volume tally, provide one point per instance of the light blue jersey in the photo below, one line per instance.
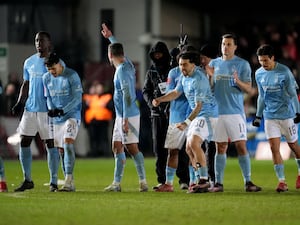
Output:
(179, 107)
(33, 71)
(215, 109)
(124, 88)
(229, 96)
(197, 89)
(64, 92)
(277, 97)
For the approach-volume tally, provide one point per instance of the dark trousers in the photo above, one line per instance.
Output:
(210, 152)
(182, 171)
(159, 132)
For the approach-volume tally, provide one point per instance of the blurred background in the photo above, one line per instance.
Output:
(75, 29)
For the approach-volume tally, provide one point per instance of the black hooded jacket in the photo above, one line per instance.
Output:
(157, 73)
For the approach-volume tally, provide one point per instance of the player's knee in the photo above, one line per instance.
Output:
(69, 141)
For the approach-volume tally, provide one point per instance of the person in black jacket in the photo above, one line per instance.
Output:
(155, 85)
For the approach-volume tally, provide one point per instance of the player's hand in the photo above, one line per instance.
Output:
(55, 112)
(155, 102)
(256, 122)
(181, 126)
(105, 31)
(17, 108)
(297, 118)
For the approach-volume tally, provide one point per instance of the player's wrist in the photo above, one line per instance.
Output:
(187, 121)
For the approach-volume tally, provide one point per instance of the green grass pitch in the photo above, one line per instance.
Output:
(90, 205)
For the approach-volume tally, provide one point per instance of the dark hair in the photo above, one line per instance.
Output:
(209, 51)
(116, 49)
(265, 49)
(44, 33)
(51, 60)
(193, 56)
(191, 53)
(231, 35)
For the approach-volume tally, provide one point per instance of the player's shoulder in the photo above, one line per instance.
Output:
(70, 72)
(281, 66)
(174, 72)
(31, 59)
(240, 59)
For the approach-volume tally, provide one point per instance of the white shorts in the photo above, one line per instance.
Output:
(211, 127)
(231, 127)
(175, 138)
(198, 127)
(278, 128)
(133, 133)
(68, 129)
(36, 122)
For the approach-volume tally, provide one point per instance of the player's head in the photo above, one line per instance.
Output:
(207, 52)
(188, 60)
(265, 49)
(265, 54)
(115, 50)
(193, 52)
(228, 45)
(43, 43)
(53, 64)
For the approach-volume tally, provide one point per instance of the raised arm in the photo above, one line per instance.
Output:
(105, 31)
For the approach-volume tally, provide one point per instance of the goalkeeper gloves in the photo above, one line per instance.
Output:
(55, 112)
(256, 121)
(297, 118)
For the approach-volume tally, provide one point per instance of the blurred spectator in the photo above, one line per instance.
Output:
(15, 79)
(9, 98)
(250, 111)
(290, 45)
(98, 112)
(1, 96)
(1, 88)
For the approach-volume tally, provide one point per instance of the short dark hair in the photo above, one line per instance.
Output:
(209, 51)
(116, 49)
(44, 33)
(231, 35)
(193, 56)
(52, 59)
(265, 49)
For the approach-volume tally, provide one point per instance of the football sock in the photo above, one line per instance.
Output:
(203, 172)
(2, 171)
(62, 156)
(279, 171)
(69, 158)
(192, 175)
(139, 164)
(53, 164)
(120, 161)
(244, 161)
(220, 163)
(25, 157)
(170, 174)
(298, 165)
